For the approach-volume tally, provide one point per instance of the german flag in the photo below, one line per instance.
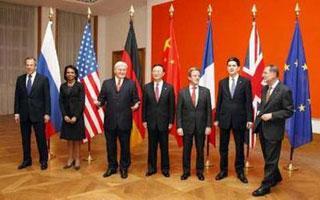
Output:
(131, 57)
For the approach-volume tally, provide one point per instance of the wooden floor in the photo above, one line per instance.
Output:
(88, 183)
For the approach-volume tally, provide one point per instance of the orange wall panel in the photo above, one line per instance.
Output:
(231, 28)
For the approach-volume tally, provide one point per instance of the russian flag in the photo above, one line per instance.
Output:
(207, 74)
(48, 66)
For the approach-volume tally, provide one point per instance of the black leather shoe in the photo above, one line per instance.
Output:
(150, 173)
(124, 173)
(185, 176)
(166, 173)
(44, 166)
(261, 191)
(242, 178)
(200, 176)
(221, 175)
(109, 172)
(25, 164)
(67, 166)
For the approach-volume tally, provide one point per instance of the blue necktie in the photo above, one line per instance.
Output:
(29, 84)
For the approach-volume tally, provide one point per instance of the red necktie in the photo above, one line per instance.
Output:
(193, 96)
(118, 85)
(157, 92)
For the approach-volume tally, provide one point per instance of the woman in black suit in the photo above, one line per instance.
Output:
(72, 100)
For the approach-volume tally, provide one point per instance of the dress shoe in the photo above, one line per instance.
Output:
(124, 173)
(67, 166)
(109, 172)
(44, 166)
(185, 176)
(261, 191)
(25, 164)
(77, 167)
(150, 173)
(200, 176)
(242, 178)
(166, 173)
(221, 175)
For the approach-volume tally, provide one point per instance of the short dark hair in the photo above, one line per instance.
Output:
(235, 59)
(73, 68)
(273, 68)
(30, 58)
(191, 69)
(158, 65)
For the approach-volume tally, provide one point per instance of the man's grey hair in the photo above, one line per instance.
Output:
(120, 64)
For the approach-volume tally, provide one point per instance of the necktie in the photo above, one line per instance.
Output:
(118, 85)
(29, 84)
(268, 94)
(233, 87)
(157, 92)
(193, 96)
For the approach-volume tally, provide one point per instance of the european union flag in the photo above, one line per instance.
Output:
(299, 126)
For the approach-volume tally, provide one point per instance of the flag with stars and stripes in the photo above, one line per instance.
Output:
(253, 68)
(298, 127)
(89, 77)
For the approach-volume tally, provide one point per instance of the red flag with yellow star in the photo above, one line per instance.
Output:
(172, 67)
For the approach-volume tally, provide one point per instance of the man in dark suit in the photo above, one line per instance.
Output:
(158, 117)
(32, 109)
(276, 106)
(194, 120)
(234, 112)
(119, 94)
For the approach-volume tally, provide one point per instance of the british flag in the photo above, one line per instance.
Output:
(89, 77)
(253, 69)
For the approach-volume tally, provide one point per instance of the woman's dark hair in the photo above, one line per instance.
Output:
(73, 68)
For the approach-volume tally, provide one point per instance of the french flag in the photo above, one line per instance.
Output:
(207, 74)
(48, 66)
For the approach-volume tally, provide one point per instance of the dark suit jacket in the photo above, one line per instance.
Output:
(35, 105)
(158, 113)
(189, 117)
(234, 111)
(72, 102)
(280, 104)
(118, 104)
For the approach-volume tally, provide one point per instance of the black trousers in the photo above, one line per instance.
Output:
(39, 129)
(111, 140)
(156, 137)
(224, 149)
(187, 147)
(271, 153)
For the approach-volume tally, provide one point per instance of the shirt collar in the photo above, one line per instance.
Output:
(160, 83)
(275, 84)
(235, 77)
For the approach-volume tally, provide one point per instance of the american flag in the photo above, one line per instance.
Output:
(89, 77)
(253, 69)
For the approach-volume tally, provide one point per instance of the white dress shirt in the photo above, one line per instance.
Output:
(236, 77)
(33, 75)
(197, 92)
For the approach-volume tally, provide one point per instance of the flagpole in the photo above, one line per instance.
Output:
(290, 167)
(247, 162)
(89, 158)
(50, 154)
(208, 163)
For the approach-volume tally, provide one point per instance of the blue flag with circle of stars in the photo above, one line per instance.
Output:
(299, 126)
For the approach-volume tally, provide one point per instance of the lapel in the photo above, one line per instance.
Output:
(152, 92)
(275, 93)
(238, 85)
(35, 83)
(24, 82)
(163, 90)
(226, 87)
(115, 85)
(189, 97)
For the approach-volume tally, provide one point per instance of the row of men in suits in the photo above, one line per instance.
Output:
(193, 118)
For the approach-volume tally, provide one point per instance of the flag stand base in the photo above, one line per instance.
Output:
(89, 158)
(51, 156)
(290, 167)
(208, 164)
(248, 165)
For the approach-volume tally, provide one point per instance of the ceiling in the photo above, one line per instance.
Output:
(98, 7)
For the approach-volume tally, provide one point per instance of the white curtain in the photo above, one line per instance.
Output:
(70, 28)
(17, 41)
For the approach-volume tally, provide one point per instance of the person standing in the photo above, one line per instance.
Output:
(234, 112)
(276, 106)
(32, 109)
(158, 117)
(72, 100)
(120, 97)
(194, 120)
